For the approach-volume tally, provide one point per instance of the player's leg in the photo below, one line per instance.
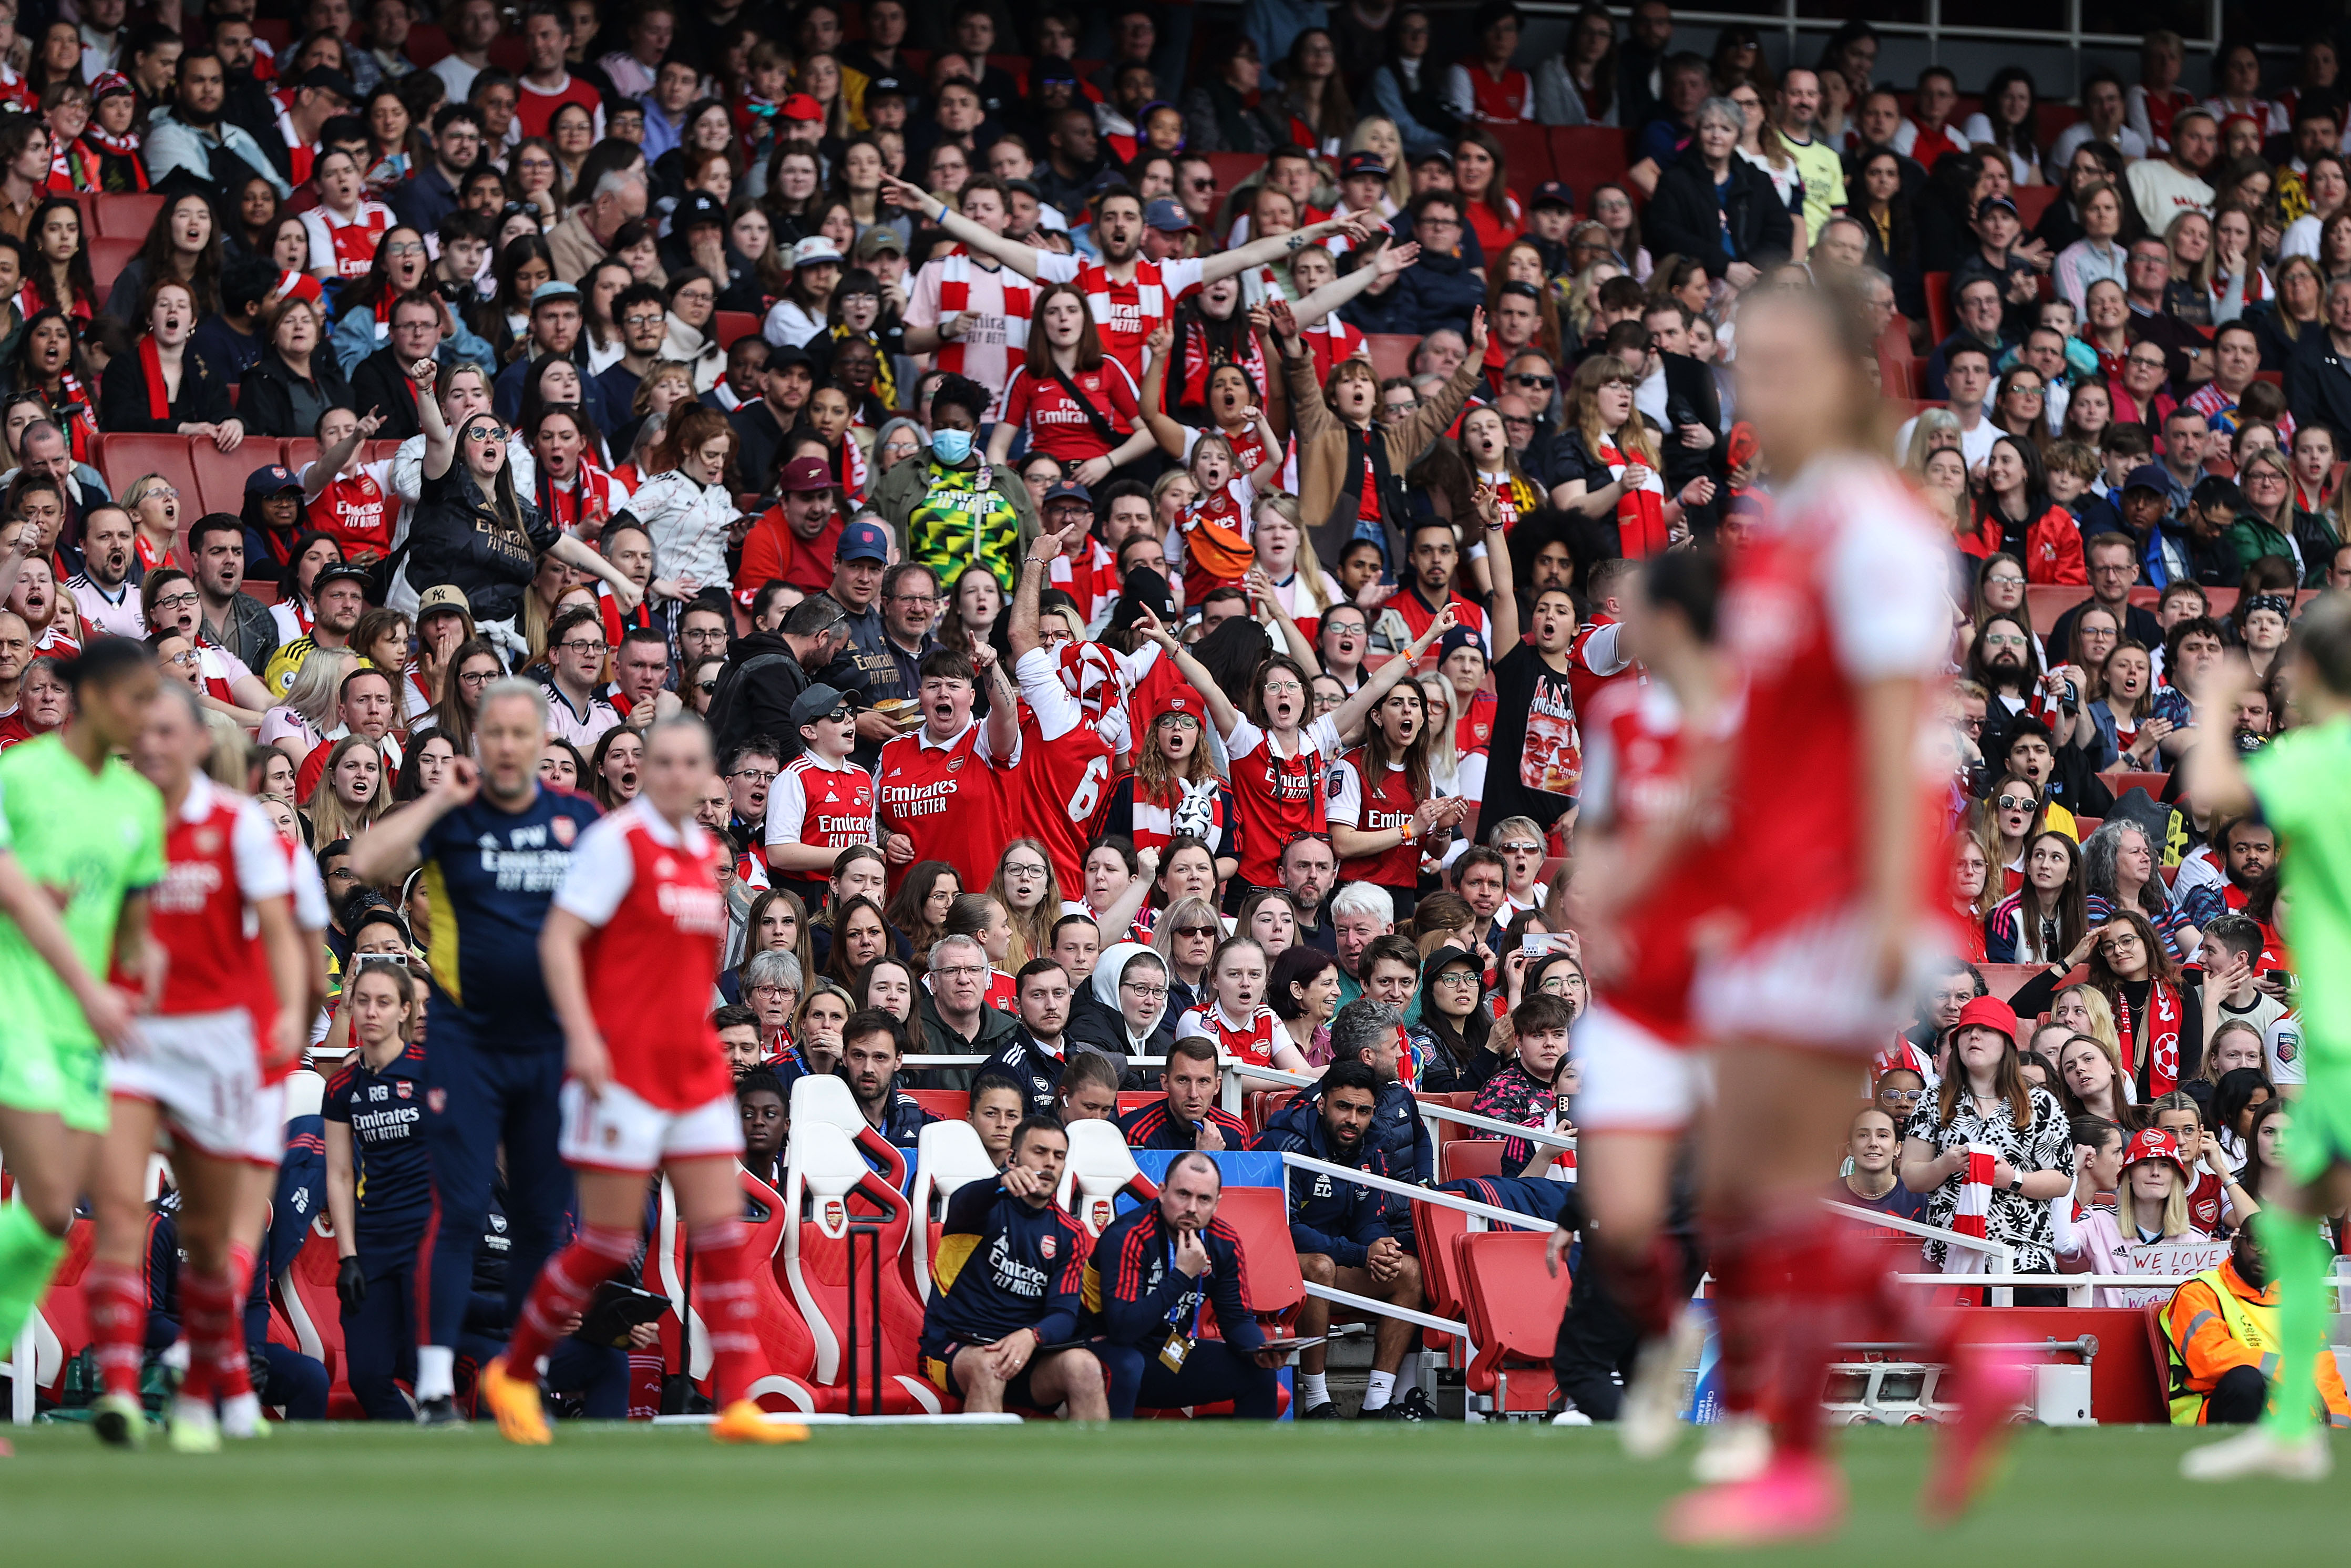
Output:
(257, 1184)
(115, 1284)
(1123, 1375)
(53, 1109)
(371, 1351)
(983, 1391)
(1314, 1322)
(539, 1185)
(1213, 1373)
(710, 1200)
(1070, 1376)
(1390, 1337)
(208, 1297)
(462, 1124)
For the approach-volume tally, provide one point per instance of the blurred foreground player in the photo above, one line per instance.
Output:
(208, 1075)
(631, 955)
(2295, 786)
(1836, 615)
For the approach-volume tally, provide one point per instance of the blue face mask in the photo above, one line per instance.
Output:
(951, 446)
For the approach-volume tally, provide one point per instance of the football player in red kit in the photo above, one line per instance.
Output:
(208, 1072)
(631, 951)
(1836, 616)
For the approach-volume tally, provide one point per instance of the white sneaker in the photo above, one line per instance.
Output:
(2260, 1453)
(1738, 1449)
(241, 1418)
(1570, 1418)
(1649, 1422)
(194, 1428)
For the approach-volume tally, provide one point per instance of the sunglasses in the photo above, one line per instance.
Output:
(1545, 382)
(1195, 930)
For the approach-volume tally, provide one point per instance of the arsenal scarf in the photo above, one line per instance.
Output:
(851, 470)
(73, 407)
(1973, 1216)
(1640, 513)
(122, 147)
(150, 364)
(2161, 1059)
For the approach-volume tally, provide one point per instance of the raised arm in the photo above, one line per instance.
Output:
(1273, 247)
(571, 551)
(1155, 418)
(1391, 260)
(1261, 589)
(440, 441)
(1021, 258)
(1022, 630)
(2212, 775)
(1504, 611)
(389, 849)
(1358, 707)
(1221, 711)
(329, 463)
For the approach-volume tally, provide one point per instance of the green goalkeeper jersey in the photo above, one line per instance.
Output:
(2302, 784)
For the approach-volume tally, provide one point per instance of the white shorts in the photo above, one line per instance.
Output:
(1812, 985)
(203, 1071)
(620, 1131)
(1631, 1081)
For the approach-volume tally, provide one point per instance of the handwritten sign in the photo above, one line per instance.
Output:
(2179, 1259)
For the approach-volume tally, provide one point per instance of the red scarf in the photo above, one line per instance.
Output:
(98, 136)
(2162, 1037)
(151, 362)
(1640, 514)
(73, 406)
(851, 468)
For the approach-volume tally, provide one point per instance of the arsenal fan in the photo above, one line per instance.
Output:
(943, 793)
(345, 227)
(1075, 699)
(630, 954)
(345, 498)
(821, 803)
(207, 1076)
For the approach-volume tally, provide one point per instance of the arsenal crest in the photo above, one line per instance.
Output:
(954, 765)
(436, 1101)
(1045, 1247)
(403, 1086)
(565, 831)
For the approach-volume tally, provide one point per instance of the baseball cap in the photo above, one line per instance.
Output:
(803, 475)
(331, 80)
(2156, 1144)
(1552, 193)
(1987, 1012)
(271, 480)
(1992, 204)
(2150, 476)
(340, 573)
(700, 207)
(1363, 163)
(445, 596)
(1168, 216)
(1433, 155)
(802, 106)
(876, 240)
(859, 541)
(814, 249)
(1055, 69)
(815, 703)
(553, 289)
(1068, 490)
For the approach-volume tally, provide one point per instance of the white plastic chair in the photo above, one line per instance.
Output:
(948, 1155)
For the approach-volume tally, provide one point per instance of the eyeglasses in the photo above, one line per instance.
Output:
(1902, 1096)
(175, 601)
(1023, 868)
(1457, 978)
(1148, 993)
(963, 970)
(2112, 569)
(2002, 640)
(404, 248)
(642, 319)
(477, 678)
(2008, 579)
(1544, 382)
(163, 491)
(1520, 848)
(576, 646)
(185, 660)
(760, 775)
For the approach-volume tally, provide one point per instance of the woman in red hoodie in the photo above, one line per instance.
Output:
(2015, 515)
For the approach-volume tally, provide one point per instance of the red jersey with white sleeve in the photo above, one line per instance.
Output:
(995, 302)
(1596, 661)
(1058, 424)
(812, 802)
(1331, 342)
(1065, 764)
(1126, 314)
(1419, 616)
(1251, 1041)
(221, 857)
(355, 510)
(952, 797)
(1373, 797)
(1842, 588)
(651, 893)
(347, 243)
(1276, 797)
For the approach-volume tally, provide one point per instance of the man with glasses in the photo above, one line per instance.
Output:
(910, 603)
(430, 195)
(751, 770)
(1976, 311)
(423, 326)
(2113, 572)
(2147, 275)
(644, 321)
(576, 649)
(1398, 402)
(952, 1010)
(703, 633)
(221, 674)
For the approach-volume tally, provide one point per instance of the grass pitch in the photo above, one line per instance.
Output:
(1126, 1497)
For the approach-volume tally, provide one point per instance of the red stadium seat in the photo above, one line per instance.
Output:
(2122, 781)
(2084, 826)
(278, 33)
(2002, 980)
(1448, 1132)
(509, 53)
(1526, 152)
(1232, 169)
(127, 216)
(1136, 1099)
(948, 1104)
(121, 459)
(1584, 156)
(1274, 1288)
(827, 1172)
(1434, 1228)
(1391, 353)
(2031, 201)
(1262, 1105)
(2048, 600)
(1938, 306)
(108, 256)
(221, 475)
(61, 1326)
(1470, 1158)
(1514, 1307)
(427, 46)
(736, 325)
(301, 452)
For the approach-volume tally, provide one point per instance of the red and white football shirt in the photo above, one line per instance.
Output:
(346, 244)
(952, 797)
(995, 303)
(810, 803)
(1596, 661)
(354, 510)
(1125, 313)
(1058, 425)
(1373, 797)
(221, 857)
(1250, 1041)
(1276, 797)
(1065, 766)
(651, 891)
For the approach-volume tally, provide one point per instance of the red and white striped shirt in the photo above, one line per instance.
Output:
(1126, 314)
(994, 303)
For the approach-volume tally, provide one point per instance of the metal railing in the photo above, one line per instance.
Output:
(2000, 1280)
(1429, 1112)
(2064, 30)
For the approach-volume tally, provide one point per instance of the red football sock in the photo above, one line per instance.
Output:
(215, 1349)
(1741, 1314)
(1646, 1282)
(116, 1298)
(562, 1289)
(730, 1308)
(232, 1373)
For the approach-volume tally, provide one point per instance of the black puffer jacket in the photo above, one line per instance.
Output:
(1685, 219)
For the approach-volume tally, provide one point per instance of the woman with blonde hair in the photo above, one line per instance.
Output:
(351, 793)
(1025, 885)
(1607, 462)
(1378, 133)
(1583, 295)
(302, 717)
(1285, 553)
(1934, 430)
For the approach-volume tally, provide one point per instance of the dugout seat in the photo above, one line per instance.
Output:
(785, 1343)
(1273, 1287)
(1434, 1228)
(1101, 1168)
(826, 1101)
(1514, 1305)
(949, 1157)
(305, 1288)
(950, 1105)
(1459, 1158)
(825, 1172)
(61, 1325)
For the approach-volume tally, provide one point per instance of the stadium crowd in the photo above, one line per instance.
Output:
(1102, 670)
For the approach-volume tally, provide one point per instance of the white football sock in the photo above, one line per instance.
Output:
(1311, 1389)
(436, 1373)
(1376, 1396)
